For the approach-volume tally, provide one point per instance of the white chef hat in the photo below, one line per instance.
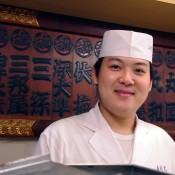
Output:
(127, 44)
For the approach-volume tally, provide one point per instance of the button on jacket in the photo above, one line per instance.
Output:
(88, 139)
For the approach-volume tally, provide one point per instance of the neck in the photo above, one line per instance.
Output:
(124, 127)
(123, 124)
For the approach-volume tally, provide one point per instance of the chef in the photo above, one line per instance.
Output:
(111, 133)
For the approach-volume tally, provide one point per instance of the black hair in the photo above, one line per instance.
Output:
(97, 67)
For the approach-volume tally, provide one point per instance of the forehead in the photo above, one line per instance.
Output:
(126, 60)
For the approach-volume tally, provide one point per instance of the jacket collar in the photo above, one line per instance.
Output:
(104, 143)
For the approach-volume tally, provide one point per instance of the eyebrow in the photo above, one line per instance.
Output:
(121, 61)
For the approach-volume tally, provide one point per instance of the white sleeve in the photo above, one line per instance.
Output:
(173, 153)
(42, 146)
(50, 142)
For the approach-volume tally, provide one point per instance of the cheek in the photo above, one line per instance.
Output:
(106, 83)
(106, 79)
(148, 84)
(145, 87)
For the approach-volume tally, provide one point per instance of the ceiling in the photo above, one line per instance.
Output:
(149, 14)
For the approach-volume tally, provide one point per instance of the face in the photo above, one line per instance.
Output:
(123, 85)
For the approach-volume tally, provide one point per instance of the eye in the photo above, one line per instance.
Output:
(139, 71)
(115, 67)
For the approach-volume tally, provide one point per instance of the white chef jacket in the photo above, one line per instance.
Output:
(88, 139)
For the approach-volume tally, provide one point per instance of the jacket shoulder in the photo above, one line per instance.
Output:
(66, 124)
(155, 130)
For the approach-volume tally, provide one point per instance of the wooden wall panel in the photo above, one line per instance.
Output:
(48, 77)
(46, 73)
(159, 107)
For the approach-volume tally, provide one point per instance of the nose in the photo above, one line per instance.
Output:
(126, 78)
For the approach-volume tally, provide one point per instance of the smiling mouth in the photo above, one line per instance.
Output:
(124, 93)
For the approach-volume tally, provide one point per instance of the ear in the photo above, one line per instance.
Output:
(151, 83)
(94, 77)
